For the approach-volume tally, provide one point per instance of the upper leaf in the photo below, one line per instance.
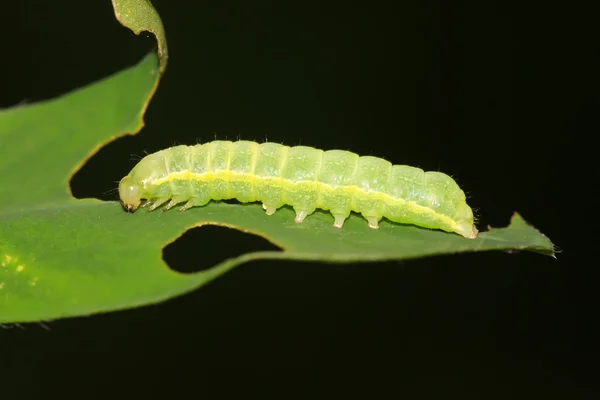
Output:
(140, 16)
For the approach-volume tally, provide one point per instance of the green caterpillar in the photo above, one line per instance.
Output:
(303, 177)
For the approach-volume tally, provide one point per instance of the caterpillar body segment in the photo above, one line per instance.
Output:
(302, 177)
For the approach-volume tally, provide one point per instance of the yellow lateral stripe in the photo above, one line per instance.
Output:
(227, 175)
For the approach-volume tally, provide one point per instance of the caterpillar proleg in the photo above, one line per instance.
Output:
(302, 177)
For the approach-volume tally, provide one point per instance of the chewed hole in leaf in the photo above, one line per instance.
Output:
(99, 176)
(203, 247)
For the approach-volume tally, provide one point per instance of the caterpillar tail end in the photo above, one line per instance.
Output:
(465, 225)
(467, 230)
(129, 194)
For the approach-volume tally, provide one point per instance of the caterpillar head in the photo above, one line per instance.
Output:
(129, 192)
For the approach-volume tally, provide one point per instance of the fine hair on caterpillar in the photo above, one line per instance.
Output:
(302, 177)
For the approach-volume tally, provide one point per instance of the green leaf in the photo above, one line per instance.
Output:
(140, 16)
(63, 257)
(46, 243)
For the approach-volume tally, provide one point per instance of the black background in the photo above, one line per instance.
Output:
(485, 92)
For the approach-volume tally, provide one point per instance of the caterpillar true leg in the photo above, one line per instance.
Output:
(194, 202)
(186, 206)
(174, 201)
(157, 203)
